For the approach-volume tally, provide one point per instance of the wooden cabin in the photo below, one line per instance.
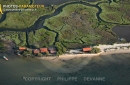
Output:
(36, 51)
(87, 49)
(43, 50)
(52, 50)
(22, 48)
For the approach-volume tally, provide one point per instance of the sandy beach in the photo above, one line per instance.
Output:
(102, 48)
(71, 56)
(68, 63)
(116, 52)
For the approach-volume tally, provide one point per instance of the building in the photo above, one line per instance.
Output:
(43, 50)
(36, 51)
(22, 48)
(52, 50)
(87, 49)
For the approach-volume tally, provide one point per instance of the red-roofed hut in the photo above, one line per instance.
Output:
(22, 48)
(87, 49)
(36, 51)
(43, 50)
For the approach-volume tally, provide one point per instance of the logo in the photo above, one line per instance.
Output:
(19, 8)
(1, 9)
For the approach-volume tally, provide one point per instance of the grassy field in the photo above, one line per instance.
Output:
(2, 47)
(96, 1)
(23, 20)
(19, 38)
(116, 12)
(41, 38)
(75, 10)
(76, 25)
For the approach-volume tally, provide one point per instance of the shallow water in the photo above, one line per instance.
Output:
(115, 69)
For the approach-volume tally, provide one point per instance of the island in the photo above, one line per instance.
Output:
(60, 29)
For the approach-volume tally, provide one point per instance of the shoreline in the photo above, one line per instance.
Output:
(71, 56)
(68, 63)
(117, 52)
(113, 50)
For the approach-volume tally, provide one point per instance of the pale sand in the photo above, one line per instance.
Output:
(71, 56)
(102, 47)
(121, 51)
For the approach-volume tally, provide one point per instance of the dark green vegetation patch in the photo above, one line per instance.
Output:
(74, 26)
(41, 38)
(116, 12)
(77, 26)
(2, 47)
(24, 19)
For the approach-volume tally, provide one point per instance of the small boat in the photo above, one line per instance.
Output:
(5, 58)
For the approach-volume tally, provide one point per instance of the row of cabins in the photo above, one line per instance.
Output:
(51, 50)
(45, 50)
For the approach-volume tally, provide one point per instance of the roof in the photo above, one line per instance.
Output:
(52, 48)
(87, 49)
(22, 48)
(53, 51)
(36, 51)
(43, 49)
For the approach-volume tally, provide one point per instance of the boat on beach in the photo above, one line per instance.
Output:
(5, 58)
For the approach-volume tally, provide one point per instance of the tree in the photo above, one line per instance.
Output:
(61, 48)
(95, 50)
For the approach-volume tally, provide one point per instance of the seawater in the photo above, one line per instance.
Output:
(115, 68)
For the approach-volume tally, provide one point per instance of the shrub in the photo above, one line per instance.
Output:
(95, 50)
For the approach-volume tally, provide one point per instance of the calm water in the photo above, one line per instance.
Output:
(122, 32)
(115, 69)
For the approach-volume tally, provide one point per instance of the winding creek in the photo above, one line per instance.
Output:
(39, 23)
